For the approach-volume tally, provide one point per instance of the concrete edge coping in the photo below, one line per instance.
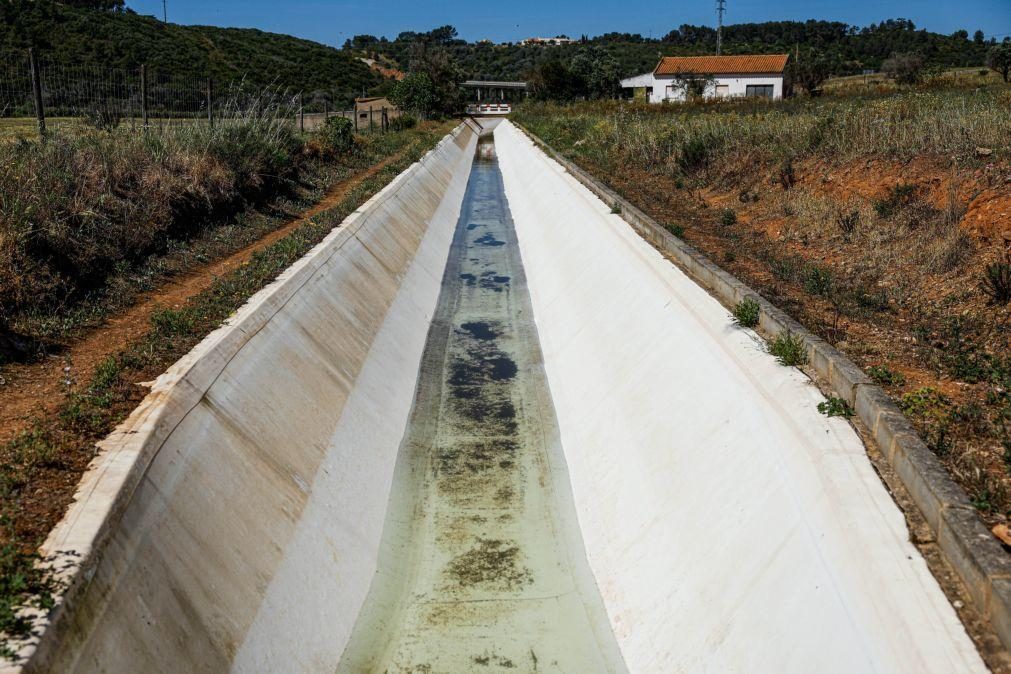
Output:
(73, 548)
(977, 558)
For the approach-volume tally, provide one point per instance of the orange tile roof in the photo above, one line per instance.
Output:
(722, 65)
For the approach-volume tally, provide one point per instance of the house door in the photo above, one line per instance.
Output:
(722, 91)
(758, 90)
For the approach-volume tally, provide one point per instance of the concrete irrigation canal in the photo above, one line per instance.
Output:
(484, 426)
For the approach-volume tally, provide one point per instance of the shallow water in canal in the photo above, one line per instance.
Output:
(482, 565)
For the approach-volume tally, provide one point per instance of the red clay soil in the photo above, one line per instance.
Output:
(39, 388)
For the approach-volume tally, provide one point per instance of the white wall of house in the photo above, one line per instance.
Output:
(644, 81)
(731, 86)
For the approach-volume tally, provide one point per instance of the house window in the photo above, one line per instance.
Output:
(363, 115)
(758, 91)
(722, 90)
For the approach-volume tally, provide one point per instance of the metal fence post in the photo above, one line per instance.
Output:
(40, 113)
(143, 94)
(210, 102)
(383, 121)
(354, 114)
(326, 111)
(372, 125)
(301, 113)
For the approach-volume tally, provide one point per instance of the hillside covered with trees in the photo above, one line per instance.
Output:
(103, 33)
(850, 48)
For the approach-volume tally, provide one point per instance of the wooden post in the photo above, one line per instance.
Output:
(382, 120)
(326, 111)
(210, 102)
(372, 126)
(301, 113)
(143, 94)
(354, 115)
(40, 113)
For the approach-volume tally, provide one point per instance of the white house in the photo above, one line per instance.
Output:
(758, 75)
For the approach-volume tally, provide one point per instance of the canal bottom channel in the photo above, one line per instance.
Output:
(482, 566)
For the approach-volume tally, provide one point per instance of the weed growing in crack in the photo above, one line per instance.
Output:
(747, 312)
(789, 349)
(835, 407)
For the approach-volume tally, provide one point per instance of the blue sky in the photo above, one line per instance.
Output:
(511, 20)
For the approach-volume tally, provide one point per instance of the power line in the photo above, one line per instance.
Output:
(721, 7)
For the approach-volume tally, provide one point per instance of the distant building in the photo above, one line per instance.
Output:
(741, 76)
(548, 41)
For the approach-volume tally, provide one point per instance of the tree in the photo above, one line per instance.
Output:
(415, 94)
(904, 68)
(810, 71)
(999, 59)
(598, 72)
(551, 80)
(978, 37)
(431, 58)
(692, 86)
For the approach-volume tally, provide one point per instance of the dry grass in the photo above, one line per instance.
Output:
(678, 139)
(76, 208)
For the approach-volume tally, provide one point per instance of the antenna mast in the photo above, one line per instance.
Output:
(721, 7)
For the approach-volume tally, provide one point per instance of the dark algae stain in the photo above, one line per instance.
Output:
(489, 240)
(482, 330)
(493, 563)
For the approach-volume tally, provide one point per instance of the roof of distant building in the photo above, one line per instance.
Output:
(722, 65)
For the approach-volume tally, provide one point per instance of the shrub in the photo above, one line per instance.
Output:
(616, 208)
(895, 199)
(835, 407)
(996, 283)
(848, 222)
(728, 217)
(904, 68)
(676, 230)
(885, 376)
(787, 175)
(695, 153)
(818, 281)
(104, 118)
(403, 121)
(747, 312)
(788, 349)
(337, 134)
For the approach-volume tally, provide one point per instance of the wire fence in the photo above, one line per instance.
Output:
(38, 94)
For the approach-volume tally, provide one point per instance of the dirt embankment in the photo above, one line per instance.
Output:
(39, 388)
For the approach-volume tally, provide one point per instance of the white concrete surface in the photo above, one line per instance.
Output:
(233, 522)
(730, 527)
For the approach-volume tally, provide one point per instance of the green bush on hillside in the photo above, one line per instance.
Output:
(337, 134)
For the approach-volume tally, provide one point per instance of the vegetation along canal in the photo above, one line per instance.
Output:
(482, 562)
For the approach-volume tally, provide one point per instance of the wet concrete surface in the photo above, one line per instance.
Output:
(482, 566)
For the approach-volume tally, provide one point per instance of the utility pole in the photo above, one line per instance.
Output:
(164, 10)
(721, 7)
